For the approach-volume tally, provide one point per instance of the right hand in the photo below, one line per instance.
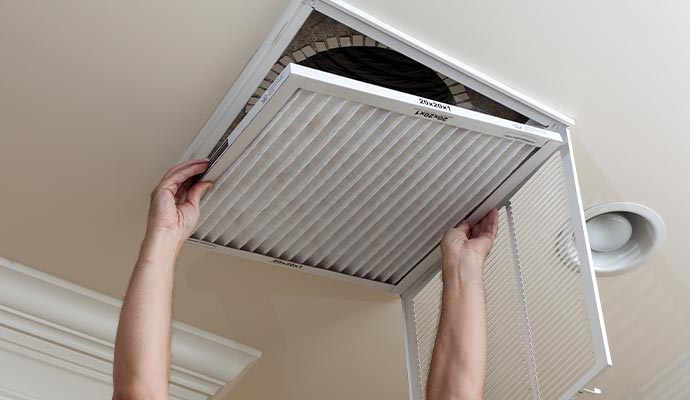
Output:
(464, 246)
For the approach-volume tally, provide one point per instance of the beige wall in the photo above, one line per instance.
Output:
(320, 338)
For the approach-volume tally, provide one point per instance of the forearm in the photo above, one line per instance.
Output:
(142, 345)
(458, 363)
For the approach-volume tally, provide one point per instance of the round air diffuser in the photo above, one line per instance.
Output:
(622, 236)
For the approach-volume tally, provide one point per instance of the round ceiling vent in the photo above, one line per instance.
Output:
(622, 236)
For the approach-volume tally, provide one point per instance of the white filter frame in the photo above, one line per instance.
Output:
(296, 77)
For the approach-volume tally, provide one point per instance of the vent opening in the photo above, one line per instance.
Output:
(325, 44)
(386, 68)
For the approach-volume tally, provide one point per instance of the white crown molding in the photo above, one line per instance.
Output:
(47, 319)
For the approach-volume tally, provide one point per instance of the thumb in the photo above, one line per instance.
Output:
(197, 191)
(464, 227)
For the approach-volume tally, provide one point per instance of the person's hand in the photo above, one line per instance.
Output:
(175, 201)
(462, 246)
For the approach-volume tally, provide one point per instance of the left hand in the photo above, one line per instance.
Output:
(175, 200)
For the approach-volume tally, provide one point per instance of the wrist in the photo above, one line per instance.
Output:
(463, 271)
(163, 234)
(160, 246)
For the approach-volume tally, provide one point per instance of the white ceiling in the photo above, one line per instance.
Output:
(98, 98)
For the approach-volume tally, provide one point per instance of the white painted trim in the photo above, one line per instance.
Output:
(75, 327)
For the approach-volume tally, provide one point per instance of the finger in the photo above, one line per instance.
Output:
(197, 191)
(180, 166)
(464, 227)
(475, 229)
(181, 195)
(176, 179)
(490, 224)
(479, 228)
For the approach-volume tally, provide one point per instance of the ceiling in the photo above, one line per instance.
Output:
(98, 98)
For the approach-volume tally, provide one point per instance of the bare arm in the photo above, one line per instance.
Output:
(142, 346)
(458, 362)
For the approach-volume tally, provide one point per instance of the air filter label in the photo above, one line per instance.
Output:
(286, 263)
(431, 115)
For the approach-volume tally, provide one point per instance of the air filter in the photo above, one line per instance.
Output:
(331, 173)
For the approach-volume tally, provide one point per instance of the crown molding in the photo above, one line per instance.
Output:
(50, 320)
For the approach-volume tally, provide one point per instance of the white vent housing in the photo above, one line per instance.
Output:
(348, 179)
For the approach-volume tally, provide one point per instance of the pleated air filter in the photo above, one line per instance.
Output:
(335, 174)
(346, 176)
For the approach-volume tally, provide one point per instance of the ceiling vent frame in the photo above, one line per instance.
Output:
(290, 23)
(539, 116)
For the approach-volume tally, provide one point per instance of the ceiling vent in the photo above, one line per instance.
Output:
(346, 148)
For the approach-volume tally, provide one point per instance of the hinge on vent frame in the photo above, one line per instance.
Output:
(557, 127)
(554, 126)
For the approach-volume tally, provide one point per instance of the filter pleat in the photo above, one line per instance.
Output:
(384, 224)
(349, 213)
(267, 170)
(342, 164)
(291, 177)
(360, 187)
(379, 156)
(382, 211)
(322, 168)
(459, 170)
(220, 198)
